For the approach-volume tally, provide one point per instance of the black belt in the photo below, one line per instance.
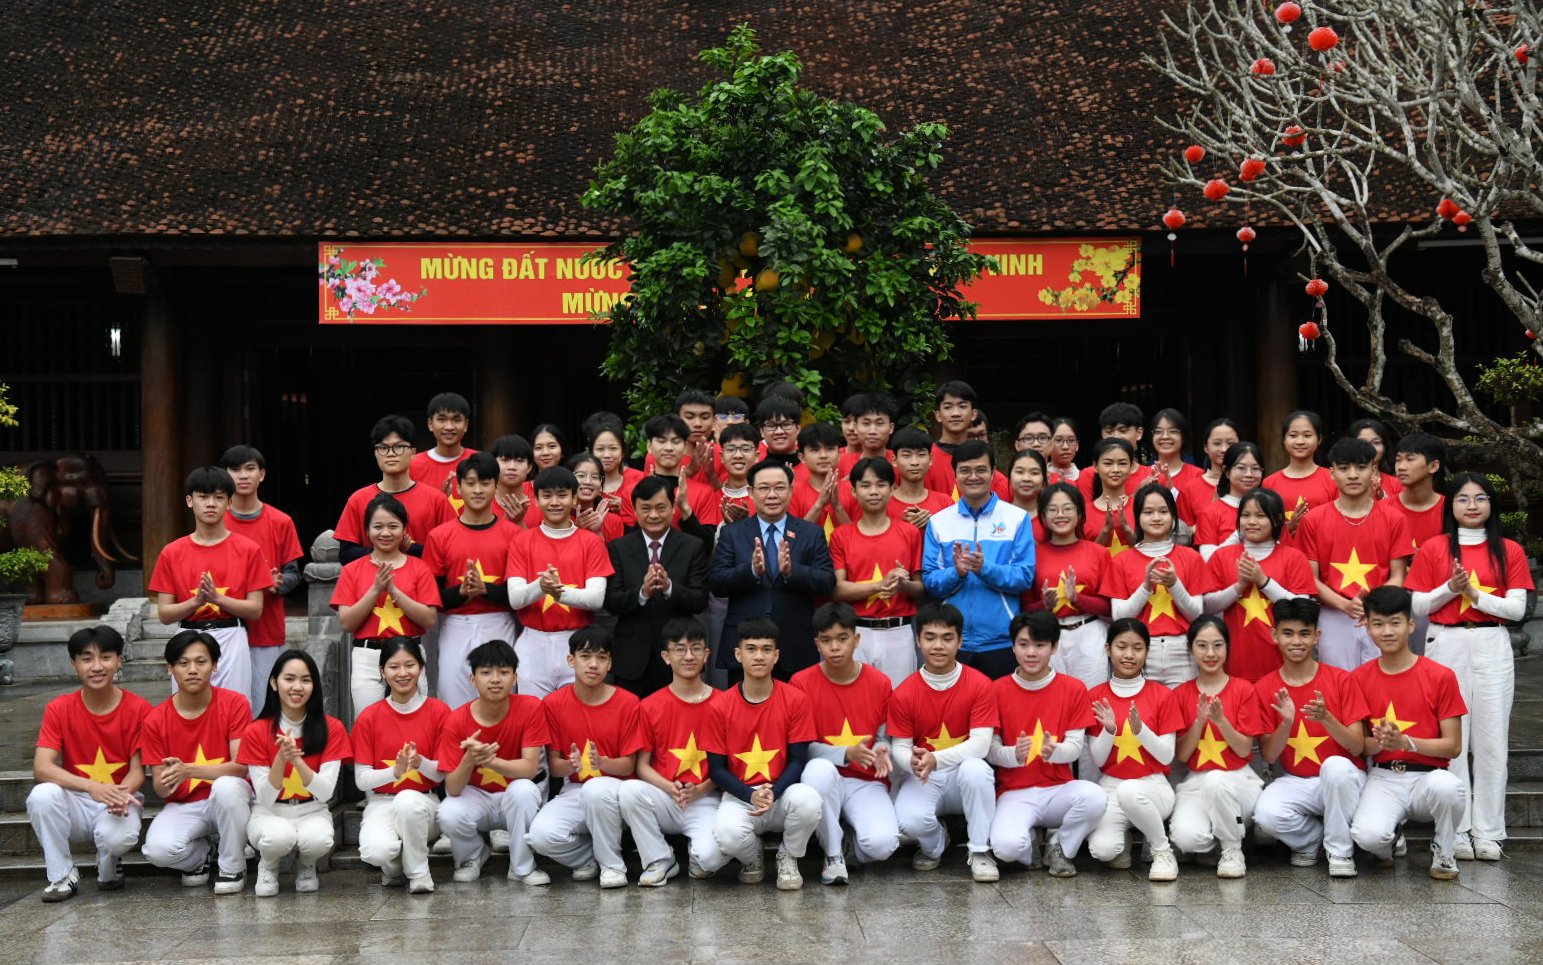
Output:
(210, 624)
(1080, 623)
(887, 623)
(378, 643)
(1399, 767)
(1468, 625)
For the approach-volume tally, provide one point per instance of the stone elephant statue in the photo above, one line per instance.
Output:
(68, 491)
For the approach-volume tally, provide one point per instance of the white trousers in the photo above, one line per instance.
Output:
(1081, 653)
(263, 659)
(1143, 803)
(179, 837)
(396, 830)
(459, 635)
(581, 824)
(277, 829)
(1306, 811)
(651, 814)
(1210, 808)
(969, 789)
(466, 816)
(1343, 644)
(892, 651)
(1389, 797)
(796, 814)
(59, 817)
(234, 671)
(865, 804)
(365, 685)
(1169, 662)
(1486, 675)
(1075, 808)
(543, 661)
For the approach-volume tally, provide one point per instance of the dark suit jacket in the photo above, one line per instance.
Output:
(638, 626)
(788, 600)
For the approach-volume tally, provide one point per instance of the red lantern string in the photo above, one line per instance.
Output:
(1173, 219)
(1309, 331)
(1246, 235)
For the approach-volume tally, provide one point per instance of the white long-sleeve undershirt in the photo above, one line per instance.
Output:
(1160, 746)
(1132, 606)
(321, 786)
(976, 745)
(372, 778)
(1511, 607)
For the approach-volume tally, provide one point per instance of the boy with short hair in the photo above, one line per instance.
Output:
(850, 763)
(728, 410)
(1033, 432)
(1421, 466)
(779, 418)
(1416, 729)
(515, 459)
(697, 410)
(757, 744)
(740, 446)
(214, 580)
(940, 725)
(391, 438)
(1119, 420)
(1316, 715)
(980, 427)
(556, 576)
(274, 533)
(1355, 544)
(698, 507)
(491, 753)
(597, 731)
(674, 793)
(954, 414)
(190, 742)
(913, 502)
(449, 418)
(877, 561)
(460, 554)
(820, 495)
(87, 767)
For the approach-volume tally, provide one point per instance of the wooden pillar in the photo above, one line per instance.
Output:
(1275, 361)
(161, 430)
(498, 410)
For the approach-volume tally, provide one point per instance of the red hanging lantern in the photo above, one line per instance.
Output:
(1462, 219)
(1216, 189)
(1288, 12)
(1194, 154)
(1173, 219)
(1246, 236)
(1322, 38)
(1522, 54)
(1294, 136)
(1250, 169)
(1447, 209)
(1309, 331)
(1317, 288)
(1264, 67)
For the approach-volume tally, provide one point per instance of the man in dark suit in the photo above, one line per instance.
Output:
(772, 565)
(660, 573)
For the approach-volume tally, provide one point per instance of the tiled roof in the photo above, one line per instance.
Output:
(435, 118)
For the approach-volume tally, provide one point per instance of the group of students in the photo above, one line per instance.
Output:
(1019, 635)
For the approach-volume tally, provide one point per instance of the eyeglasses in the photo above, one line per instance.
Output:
(1060, 441)
(1057, 512)
(394, 449)
(587, 476)
(777, 426)
(695, 650)
(972, 472)
(1480, 500)
(730, 416)
(743, 450)
(1248, 470)
(773, 490)
(1034, 440)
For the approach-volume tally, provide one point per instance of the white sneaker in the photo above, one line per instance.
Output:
(983, 867)
(1342, 867)
(1231, 864)
(535, 879)
(697, 871)
(64, 889)
(835, 870)
(267, 881)
(611, 878)
(1057, 865)
(1462, 847)
(1165, 866)
(471, 868)
(1486, 850)
(442, 845)
(499, 839)
(1121, 861)
(391, 875)
(588, 871)
(305, 877)
(1305, 859)
(1443, 867)
(421, 885)
(1400, 846)
(225, 884)
(788, 876)
(200, 877)
(657, 874)
(753, 871)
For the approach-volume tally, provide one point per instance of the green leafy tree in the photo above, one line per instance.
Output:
(21, 565)
(778, 234)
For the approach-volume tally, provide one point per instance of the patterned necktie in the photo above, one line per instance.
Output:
(653, 552)
(770, 550)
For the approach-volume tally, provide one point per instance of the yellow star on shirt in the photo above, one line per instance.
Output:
(846, 738)
(412, 775)
(101, 770)
(208, 611)
(945, 740)
(482, 575)
(549, 601)
(1160, 603)
(1063, 592)
(690, 757)
(877, 577)
(1473, 581)
(293, 787)
(1115, 546)
(456, 502)
(1353, 572)
(388, 616)
(1211, 747)
(1127, 746)
(488, 777)
(198, 760)
(756, 760)
(1036, 742)
(587, 768)
(1390, 716)
(830, 524)
(1305, 745)
(1256, 606)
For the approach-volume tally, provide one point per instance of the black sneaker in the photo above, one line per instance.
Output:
(199, 878)
(225, 884)
(115, 883)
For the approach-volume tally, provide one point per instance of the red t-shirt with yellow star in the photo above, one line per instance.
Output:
(380, 732)
(426, 508)
(934, 503)
(1217, 521)
(1423, 524)
(672, 734)
(1139, 476)
(615, 726)
(1128, 760)
(1195, 494)
(804, 497)
(524, 725)
(1313, 491)
(939, 719)
(1310, 744)
(755, 738)
(451, 544)
(235, 563)
(274, 533)
(386, 619)
(579, 556)
(1432, 567)
(431, 471)
(1128, 572)
(849, 714)
(259, 747)
(867, 558)
(1093, 526)
(1049, 713)
(1353, 555)
(96, 746)
(940, 478)
(205, 739)
(1418, 700)
(1085, 560)
(1240, 703)
(1251, 652)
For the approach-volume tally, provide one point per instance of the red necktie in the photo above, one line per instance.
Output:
(653, 552)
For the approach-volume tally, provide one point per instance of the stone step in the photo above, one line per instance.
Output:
(16, 837)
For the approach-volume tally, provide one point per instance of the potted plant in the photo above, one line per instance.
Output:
(19, 566)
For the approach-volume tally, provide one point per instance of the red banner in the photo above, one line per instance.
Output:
(547, 284)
